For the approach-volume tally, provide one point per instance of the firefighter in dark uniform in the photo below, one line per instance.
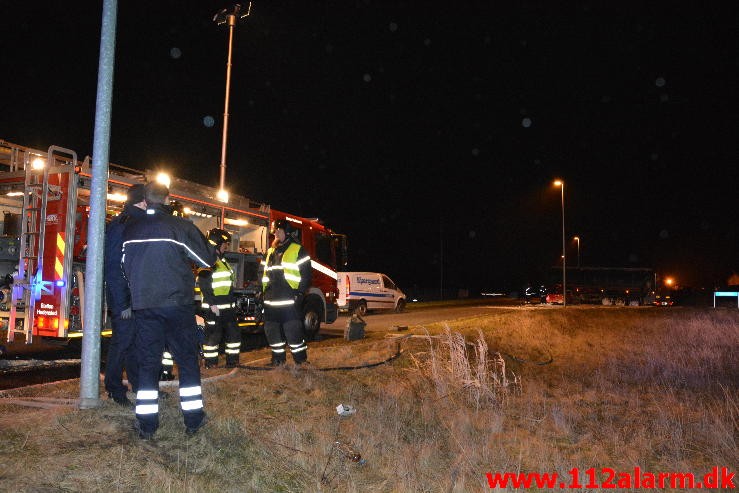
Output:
(176, 209)
(121, 350)
(158, 252)
(287, 276)
(218, 305)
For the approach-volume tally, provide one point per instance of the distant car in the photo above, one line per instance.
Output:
(554, 296)
(663, 300)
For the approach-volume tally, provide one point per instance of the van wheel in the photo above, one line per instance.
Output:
(361, 308)
(311, 320)
(400, 307)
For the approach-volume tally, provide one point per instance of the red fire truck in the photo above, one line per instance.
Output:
(45, 197)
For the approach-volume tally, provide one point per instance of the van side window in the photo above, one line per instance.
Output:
(387, 282)
(324, 250)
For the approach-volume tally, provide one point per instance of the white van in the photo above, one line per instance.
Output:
(363, 291)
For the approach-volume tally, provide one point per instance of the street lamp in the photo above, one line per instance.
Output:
(577, 239)
(228, 16)
(561, 184)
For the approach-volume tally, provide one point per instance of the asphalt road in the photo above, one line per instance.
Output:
(422, 314)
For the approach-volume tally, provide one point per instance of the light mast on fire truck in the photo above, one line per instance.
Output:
(230, 17)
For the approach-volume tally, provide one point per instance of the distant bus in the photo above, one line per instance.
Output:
(605, 285)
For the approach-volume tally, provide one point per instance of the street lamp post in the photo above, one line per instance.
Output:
(228, 16)
(561, 184)
(577, 239)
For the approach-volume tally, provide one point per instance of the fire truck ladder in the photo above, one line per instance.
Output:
(27, 282)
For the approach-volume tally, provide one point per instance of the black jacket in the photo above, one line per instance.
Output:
(159, 251)
(116, 285)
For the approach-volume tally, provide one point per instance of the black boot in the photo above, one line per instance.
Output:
(232, 361)
(277, 360)
(121, 400)
(300, 357)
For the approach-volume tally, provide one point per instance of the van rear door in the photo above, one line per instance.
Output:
(343, 283)
(391, 292)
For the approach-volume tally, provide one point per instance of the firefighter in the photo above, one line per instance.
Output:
(158, 252)
(219, 303)
(176, 209)
(121, 351)
(287, 276)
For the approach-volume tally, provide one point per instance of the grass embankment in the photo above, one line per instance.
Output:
(581, 387)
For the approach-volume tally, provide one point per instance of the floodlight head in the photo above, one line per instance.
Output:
(236, 10)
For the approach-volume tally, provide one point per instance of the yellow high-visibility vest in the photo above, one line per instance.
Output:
(290, 266)
(222, 278)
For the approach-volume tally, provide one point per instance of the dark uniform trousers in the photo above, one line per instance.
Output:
(283, 324)
(215, 328)
(173, 326)
(121, 354)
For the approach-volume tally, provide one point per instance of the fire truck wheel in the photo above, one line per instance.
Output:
(361, 308)
(311, 320)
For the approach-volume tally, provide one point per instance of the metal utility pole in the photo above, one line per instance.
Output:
(561, 184)
(90, 365)
(228, 16)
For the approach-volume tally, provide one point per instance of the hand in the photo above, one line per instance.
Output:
(127, 314)
(299, 298)
(215, 310)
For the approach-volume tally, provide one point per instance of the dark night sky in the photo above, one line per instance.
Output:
(402, 123)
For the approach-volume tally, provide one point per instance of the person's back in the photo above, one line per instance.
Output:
(158, 252)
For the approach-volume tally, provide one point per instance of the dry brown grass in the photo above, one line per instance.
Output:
(582, 387)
